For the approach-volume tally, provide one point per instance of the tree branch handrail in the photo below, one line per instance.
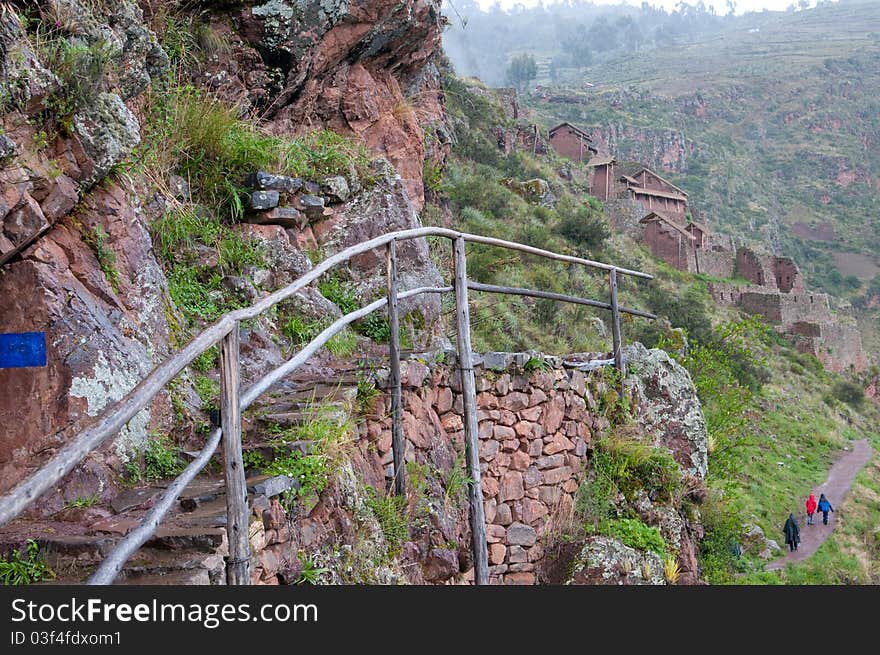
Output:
(126, 547)
(115, 416)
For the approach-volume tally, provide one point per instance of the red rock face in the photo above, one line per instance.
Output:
(99, 342)
(365, 73)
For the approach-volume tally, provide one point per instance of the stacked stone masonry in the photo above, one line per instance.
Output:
(535, 430)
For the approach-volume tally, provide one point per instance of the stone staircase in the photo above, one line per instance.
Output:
(190, 544)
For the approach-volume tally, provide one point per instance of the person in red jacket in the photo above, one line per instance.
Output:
(811, 508)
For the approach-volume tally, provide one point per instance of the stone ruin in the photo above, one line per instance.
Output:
(778, 294)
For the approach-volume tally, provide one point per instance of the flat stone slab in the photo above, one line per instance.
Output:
(263, 200)
(133, 497)
(283, 216)
(114, 525)
(268, 182)
(273, 486)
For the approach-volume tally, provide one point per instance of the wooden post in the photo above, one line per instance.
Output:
(469, 404)
(398, 444)
(615, 328)
(238, 562)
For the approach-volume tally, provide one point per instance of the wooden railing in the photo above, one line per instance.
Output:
(233, 401)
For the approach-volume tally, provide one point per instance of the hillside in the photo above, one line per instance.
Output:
(772, 127)
(176, 179)
(765, 451)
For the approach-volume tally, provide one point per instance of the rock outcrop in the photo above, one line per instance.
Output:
(50, 172)
(90, 278)
(606, 561)
(361, 68)
(668, 406)
(101, 339)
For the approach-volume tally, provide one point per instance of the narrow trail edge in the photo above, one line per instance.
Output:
(836, 487)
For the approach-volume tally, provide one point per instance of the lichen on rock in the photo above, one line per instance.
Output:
(108, 131)
(668, 406)
(106, 385)
(608, 561)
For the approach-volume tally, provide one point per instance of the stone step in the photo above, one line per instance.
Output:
(304, 397)
(176, 537)
(272, 449)
(299, 417)
(160, 562)
(191, 577)
(73, 547)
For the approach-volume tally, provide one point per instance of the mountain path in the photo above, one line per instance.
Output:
(835, 488)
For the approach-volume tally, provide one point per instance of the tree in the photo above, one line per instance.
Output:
(521, 71)
(602, 35)
(577, 46)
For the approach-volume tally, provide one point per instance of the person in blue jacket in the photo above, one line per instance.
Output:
(824, 506)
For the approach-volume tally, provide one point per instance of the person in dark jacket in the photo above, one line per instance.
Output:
(824, 506)
(792, 532)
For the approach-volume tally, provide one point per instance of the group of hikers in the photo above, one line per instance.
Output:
(792, 530)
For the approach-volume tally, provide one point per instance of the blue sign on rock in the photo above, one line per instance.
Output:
(19, 350)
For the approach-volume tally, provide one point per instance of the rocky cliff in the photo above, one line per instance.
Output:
(140, 203)
(364, 68)
(80, 209)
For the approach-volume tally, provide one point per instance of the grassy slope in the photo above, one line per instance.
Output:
(789, 108)
(803, 435)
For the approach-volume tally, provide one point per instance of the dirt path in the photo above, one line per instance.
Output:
(835, 488)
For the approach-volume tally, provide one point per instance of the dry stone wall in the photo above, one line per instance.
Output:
(535, 429)
(539, 419)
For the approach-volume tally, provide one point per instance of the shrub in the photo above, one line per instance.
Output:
(18, 570)
(583, 225)
(161, 459)
(635, 534)
(849, 392)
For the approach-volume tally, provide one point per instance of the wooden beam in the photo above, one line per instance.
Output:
(111, 566)
(514, 291)
(469, 404)
(619, 364)
(237, 514)
(398, 444)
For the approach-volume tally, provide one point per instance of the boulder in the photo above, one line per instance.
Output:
(440, 564)
(668, 407)
(335, 188)
(606, 561)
